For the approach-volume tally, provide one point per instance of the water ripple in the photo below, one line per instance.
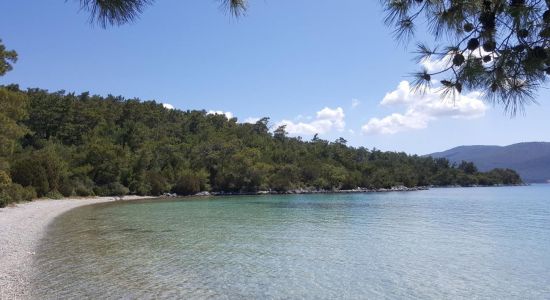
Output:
(442, 243)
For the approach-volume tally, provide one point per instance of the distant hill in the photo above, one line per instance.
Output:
(530, 160)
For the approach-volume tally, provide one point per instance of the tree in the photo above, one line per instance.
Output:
(13, 109)
(119, 12)
(92, 145)
(499, 47)
(7, 58)
(467, 167)
(280, 133)
(188, 183)
(44, 170)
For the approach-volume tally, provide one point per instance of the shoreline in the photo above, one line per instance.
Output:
(352, 191)
(299, 192)
(311, 191)
(22, 226)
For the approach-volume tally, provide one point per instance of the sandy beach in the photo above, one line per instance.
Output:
(21, 228)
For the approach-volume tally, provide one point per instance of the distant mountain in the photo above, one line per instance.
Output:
(530, 160)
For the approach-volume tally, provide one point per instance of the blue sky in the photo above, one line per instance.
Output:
(317, 66)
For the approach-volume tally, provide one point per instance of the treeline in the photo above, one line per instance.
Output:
(63, 144)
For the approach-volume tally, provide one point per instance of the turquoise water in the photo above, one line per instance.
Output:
(468, 243)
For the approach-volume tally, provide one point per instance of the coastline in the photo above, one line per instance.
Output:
(307, 192)
(22, 225)
(321, 191)
(21, 228)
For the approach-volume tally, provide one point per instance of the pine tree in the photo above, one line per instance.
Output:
(500, 47)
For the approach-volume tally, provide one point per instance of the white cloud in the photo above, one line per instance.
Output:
(395, 123)
(398, 96)
(423, 108)
(325, 121)
(334, 116)
(355, 103)
(251, 120)
(228, 114)
(168, 106)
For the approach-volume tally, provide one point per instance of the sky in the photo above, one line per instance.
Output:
(324, 67)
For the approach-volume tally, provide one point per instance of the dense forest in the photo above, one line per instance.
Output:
(63, 144)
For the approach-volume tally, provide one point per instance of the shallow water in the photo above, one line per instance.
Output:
(442, 243)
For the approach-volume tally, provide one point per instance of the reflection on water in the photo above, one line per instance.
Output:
(442, 243)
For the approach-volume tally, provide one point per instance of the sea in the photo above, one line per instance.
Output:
(442, 243)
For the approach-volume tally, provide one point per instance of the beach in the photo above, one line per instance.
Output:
(21, 228)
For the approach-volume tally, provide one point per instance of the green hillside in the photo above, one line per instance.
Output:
(530, 160)
(60, 143)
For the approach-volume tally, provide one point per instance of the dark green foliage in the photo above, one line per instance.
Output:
(503, 176)
(13, 109)
(25, 173)
(467, 167)
(118, 12)
(158, 184)
(283, 179)
(17, 192)
(83, 187)
(111, 189)
(7, 58)
(187, 184)
(13, 192)
(107, 146)
(515, 36)
(114, 12)
(54, 194)
(42, 169)
(67, 188)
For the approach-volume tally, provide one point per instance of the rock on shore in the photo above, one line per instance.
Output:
(315, 191)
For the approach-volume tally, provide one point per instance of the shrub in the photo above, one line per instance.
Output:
(4, 199)
(54, 195)
(15, 193)
(158, 183)
(83, 187)
(83, 191)
(111, 189)
(281, 181)
(5, 179)
(466, 180)
(203, 176)
(187, 184)
(320, 183)
(67, 188)
(43, 169)
(29, 193)
(140, 187)
(28, 173)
